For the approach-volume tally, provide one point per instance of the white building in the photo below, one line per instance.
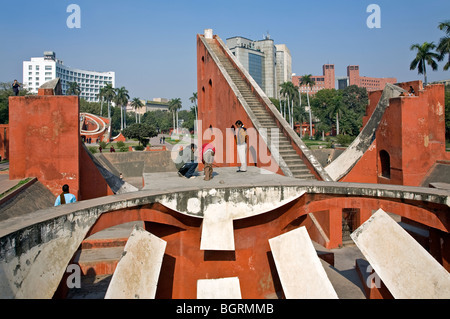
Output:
(37, 71)
(284, 65)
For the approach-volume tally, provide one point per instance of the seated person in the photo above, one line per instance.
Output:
(189, 161)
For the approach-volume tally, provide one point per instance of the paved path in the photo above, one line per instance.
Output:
(5, 182)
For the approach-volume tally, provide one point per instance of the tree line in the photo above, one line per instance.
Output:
(330, 110)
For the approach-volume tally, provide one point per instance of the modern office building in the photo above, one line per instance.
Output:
(268, 64)
(39, 70)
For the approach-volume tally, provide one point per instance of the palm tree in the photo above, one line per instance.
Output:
(73, 89)
(193, 99)
(101, 97)
(174, 106)
(109, 93)
(444, 43)
(309, 82)
(337, 108)
(137, 104)
(289, 90)
(300, 113)
(424, 56)
(121, 100)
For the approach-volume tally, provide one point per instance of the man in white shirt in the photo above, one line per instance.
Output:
(241, 140)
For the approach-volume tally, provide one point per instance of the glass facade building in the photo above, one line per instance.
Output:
(255, 68)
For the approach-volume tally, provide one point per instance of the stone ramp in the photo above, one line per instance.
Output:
(271, 126)
(117, 185)
(222, 288)
(136, 275)
(299, 268)
(404, 266)
(27, 200)
(342, 165)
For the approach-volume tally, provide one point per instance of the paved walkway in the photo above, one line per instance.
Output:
(5, 182)
(223, 176)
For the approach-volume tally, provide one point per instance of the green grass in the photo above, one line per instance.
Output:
(19, 184)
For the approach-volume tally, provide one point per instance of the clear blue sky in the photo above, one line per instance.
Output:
(151, 45)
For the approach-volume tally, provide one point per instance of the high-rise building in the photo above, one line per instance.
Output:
(39, 70)
(283, 65)
(268, 64)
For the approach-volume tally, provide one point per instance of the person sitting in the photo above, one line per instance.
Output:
(190, 163)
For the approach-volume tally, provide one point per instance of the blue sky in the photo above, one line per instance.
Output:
(151, 45)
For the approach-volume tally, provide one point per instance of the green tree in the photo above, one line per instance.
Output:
(309, 82)
(109, 94)
(443, 47)
(137, 104)
(423, 57)
(326, 104)
(101, 97)
(73, 89)
(141, 132)
(174, 106)
(300, 114)
(193, 99)
(89, 107)
(121, 100)
(5, 92)
(290, 93)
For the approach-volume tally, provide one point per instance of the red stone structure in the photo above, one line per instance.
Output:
(4, 141)
(45, 143)
(410, 140)
(324, 81)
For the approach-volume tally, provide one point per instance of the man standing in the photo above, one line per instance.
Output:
(241, 138)
(15, 87)
(65, 197)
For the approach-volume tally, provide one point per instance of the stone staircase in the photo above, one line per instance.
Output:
(275, 138)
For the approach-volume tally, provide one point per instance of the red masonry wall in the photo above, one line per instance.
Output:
(44, 140)
(411, 131)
